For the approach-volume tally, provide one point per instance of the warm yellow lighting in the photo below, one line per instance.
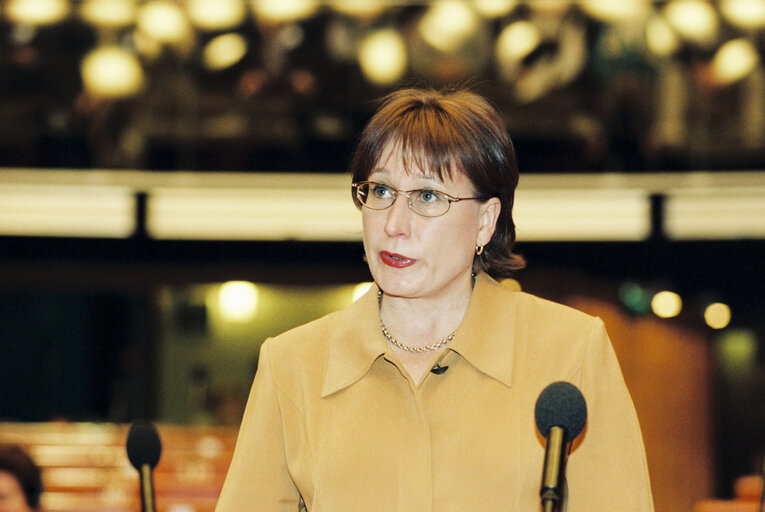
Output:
(238, 301)
(716, 213)
(359, 290)
(660, 37)
(36, 12)
(224, 51)
(112, 72)
(746, 14)
(447, 24)
(108, 13)
(494, 8)
(725, 205)
(66, 210)
(358, 8)
(666, 304)
(717, 315)
(273, 207)
(284, 11)
(612, 11)
(216, 14)
(516, 41)
(383, 56)
(582, 214)
(734, 61)
(695, 20)
(164, 21)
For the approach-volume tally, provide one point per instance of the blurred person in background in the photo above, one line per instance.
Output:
(20, 481)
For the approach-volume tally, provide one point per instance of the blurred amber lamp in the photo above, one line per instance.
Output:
(666, 304)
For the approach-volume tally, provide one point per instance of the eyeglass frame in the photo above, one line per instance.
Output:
(450, 198)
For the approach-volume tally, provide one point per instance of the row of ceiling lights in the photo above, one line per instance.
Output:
(696, 19)
(112, 70)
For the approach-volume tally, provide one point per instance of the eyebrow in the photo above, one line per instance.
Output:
(429, 177)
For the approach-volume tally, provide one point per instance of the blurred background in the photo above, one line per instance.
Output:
(173, 190)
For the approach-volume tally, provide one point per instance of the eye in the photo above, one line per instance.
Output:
(429, 196)
(381, 191)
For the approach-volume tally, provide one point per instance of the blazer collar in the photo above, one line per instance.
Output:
(485, 337)
(355, 342)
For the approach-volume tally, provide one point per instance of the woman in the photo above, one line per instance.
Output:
(20, 482)
(420, 395)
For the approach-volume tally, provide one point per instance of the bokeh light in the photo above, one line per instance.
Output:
(383, 56)
(216, 14)
(164, 21)
(238, 301)
(109, 13)
(660, 38)
(224, 51)
(717, 315)
(737, 350)
(635, 298)
(447, 24)
(516, 41)
(37, 12)
(734, 61)
(745, 14)
(619, 11)
(112, 72)
(494, 8)
(695, 20)
(284, 11)
(666, 304)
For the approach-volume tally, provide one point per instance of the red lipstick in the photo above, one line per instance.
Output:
(395, 260)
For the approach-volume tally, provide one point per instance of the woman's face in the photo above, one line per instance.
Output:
(424, 257)
(12, 497)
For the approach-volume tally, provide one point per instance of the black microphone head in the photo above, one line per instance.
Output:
(561, 404)
(143, 445)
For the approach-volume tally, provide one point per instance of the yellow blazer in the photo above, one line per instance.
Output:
(333, 418)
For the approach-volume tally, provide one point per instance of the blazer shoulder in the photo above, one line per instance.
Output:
(304, 337)
(543, 311)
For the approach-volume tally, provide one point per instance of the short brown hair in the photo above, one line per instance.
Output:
(453, 130)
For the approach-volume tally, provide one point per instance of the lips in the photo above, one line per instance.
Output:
(395, 260)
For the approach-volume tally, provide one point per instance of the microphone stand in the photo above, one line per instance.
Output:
(147, 489)
(554, 457)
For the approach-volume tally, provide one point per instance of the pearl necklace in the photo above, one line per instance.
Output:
(409, 348)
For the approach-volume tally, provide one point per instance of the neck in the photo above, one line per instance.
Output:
(422, 321)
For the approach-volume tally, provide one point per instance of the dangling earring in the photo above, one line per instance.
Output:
(479, 250)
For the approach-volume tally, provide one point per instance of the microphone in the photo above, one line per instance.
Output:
(561, 414)
(143, 450)
(438, 369)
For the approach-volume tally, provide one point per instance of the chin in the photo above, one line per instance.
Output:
(395, 285)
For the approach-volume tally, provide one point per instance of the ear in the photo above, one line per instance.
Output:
(488, 215)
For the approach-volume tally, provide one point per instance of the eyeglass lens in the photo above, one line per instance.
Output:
(377, 196)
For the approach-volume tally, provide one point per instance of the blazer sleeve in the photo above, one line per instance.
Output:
(258, 478)
(607, 468)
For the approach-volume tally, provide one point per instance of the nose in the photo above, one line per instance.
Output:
(399, 216)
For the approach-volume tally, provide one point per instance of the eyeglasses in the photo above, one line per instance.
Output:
(425, 202)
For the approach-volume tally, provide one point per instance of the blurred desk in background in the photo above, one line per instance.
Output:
(85, 466)
(747, 490)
